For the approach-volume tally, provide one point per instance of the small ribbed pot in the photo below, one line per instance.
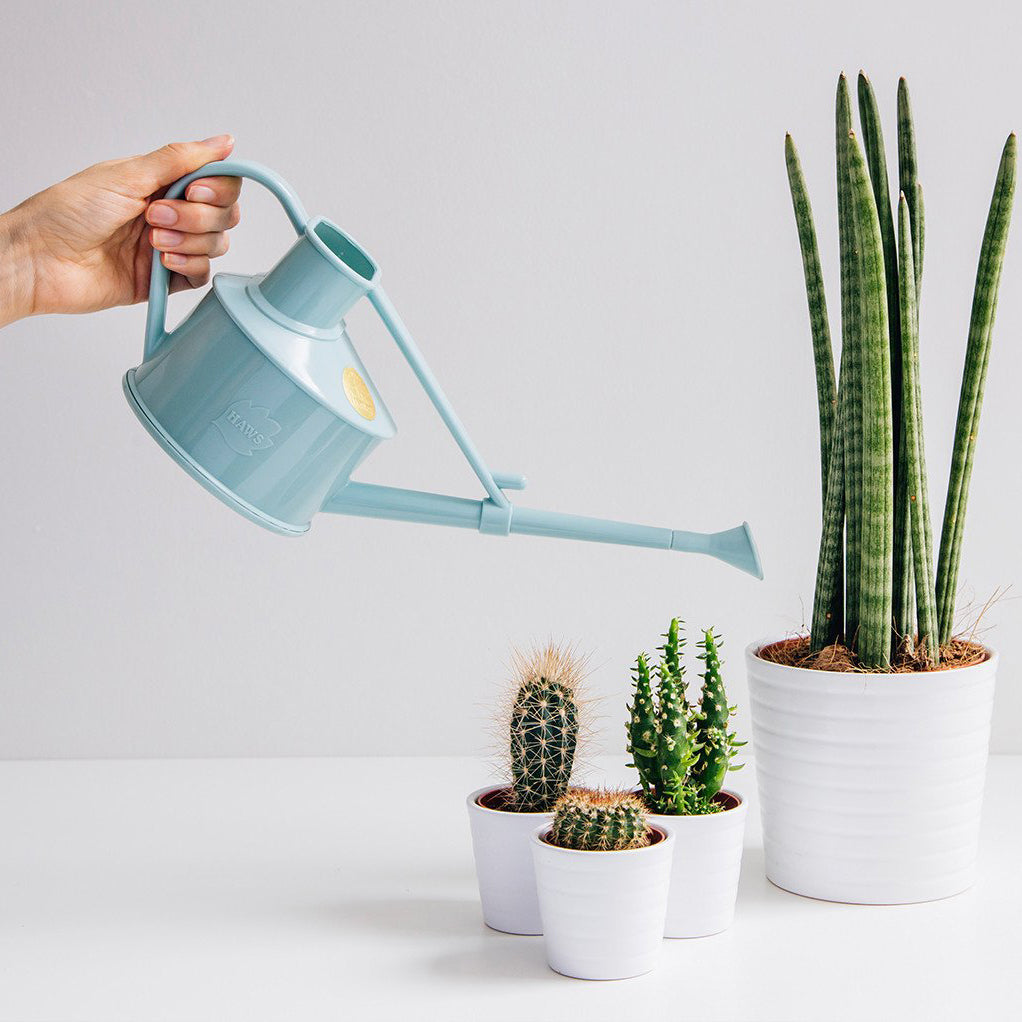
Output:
(504, 872)
(707, 865)
(603, 912)
(870, 785)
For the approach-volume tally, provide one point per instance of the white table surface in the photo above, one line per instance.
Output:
(344, 889)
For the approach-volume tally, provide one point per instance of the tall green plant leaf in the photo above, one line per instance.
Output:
(977, 359)
(919, 500)
(875, 597)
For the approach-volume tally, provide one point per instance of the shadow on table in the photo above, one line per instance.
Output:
(757, 896)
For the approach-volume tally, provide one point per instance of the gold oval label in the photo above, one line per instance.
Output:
(358, 395)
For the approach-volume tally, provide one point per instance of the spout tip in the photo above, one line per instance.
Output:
(756, 568)
(737, 548)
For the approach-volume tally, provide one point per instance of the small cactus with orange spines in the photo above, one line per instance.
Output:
(600, 821)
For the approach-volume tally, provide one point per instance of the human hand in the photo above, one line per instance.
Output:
(87, 243)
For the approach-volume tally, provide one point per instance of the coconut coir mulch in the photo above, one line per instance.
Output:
(796, 653)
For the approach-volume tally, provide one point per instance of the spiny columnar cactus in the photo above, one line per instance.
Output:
(600, 821)
(544, 727)
(642, 727)
(676, 746)
(670, 660)
(681, 752)
(876, 588)
(717, 746)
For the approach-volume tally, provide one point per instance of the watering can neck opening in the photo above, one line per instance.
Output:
(322, 275)
(342, 252)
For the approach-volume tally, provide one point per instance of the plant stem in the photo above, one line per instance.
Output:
(908, 179)
(876, 159)
(851, 365)
(875, 597)
(828, 606)
(912, 191)
(823, 353)
(919, 238)
(977, 357)
(825, 628)
(919, 502)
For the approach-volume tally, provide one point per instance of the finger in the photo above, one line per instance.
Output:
(192, 217)
(179, 283)
(195, 269)
(165, 165)
(213, 244)
(214, 191)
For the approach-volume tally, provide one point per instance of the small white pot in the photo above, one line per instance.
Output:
(603, 912)
(507, 881)
(870, 785)
(707, 865)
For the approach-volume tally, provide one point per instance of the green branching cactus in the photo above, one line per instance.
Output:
(670, 659)
(876, 545)
(544, 727)
(681, 752)
(676, 747)
(600, 821)
(642, 727)
(717, 746)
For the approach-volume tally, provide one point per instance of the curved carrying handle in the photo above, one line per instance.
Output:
(159, 279)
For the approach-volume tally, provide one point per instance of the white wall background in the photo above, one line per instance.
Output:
(581, 210)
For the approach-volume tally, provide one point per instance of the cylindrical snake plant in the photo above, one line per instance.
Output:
(877, 589)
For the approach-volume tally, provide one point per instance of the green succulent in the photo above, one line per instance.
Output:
(600, 821)
(682, 752)
(877, 590)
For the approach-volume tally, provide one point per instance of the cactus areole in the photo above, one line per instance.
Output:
(879, 594)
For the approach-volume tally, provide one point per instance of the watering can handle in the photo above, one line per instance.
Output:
(159, 278)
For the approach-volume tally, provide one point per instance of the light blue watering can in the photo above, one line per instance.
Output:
(260, 396)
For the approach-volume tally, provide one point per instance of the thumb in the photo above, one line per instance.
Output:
(163, 166)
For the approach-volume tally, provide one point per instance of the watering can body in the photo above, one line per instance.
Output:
(259, 393)
(261, 397)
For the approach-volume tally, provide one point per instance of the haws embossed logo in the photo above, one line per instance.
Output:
(246, 429)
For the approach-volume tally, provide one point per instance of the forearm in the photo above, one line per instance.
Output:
(16, 269)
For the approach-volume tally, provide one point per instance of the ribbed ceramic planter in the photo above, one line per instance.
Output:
(707, 864)
(504, 871)
(603, 912)
(870, 785)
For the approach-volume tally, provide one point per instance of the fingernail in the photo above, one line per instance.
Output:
(174, 259)
(167, 239)
(217, 140)
(201, 193)
(162, 216)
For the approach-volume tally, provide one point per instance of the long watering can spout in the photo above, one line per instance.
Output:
(496, 514)
(735, 546)
(261, 397)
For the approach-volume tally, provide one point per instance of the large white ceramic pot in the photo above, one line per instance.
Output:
(603, 912)
(501, 844)
(870, 785)
(707, 865)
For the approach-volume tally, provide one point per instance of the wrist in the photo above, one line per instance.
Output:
(17, 273)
